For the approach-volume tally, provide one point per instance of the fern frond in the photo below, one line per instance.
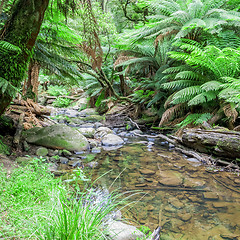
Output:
(8, 48)
(195, 118)
(186, 94)
(178, 84)
(203, 98)
(232, 82)
(195, 9)
(180, 56)
(190, 75)
(7, 88)
(175, 69)
(228, 93)
(211, 86)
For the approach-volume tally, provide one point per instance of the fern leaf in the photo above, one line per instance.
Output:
(211, 86)
(195, 118)
(186, 94)
(6, 48)
(203, 98)
(7, 88)
(190, 75)
(228, 93)
(175, 69)
(178, 84)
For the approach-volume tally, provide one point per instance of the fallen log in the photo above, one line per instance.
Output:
(202, 157)
(39, 112)
(222, 143)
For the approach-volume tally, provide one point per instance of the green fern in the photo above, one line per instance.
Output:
(7, 88)
(203, 98)
(196, 119)
(188, 19)
(186, 94)
(8, 48)
(178, 84)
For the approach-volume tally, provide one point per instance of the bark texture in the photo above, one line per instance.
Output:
(30, 87)
(21, 30)
(218, 142)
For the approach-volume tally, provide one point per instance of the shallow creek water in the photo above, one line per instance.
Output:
(193, 201)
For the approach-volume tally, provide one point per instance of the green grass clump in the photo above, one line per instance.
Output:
(35, 205)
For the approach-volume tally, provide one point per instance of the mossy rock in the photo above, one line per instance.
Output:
(93, 118)
(42, 152)
(23, 161)
(58, 136)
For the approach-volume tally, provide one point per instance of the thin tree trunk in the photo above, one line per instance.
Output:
(30, 87)
(20, 30)
(1, 6)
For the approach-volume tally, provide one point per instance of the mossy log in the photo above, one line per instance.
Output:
(222, 143)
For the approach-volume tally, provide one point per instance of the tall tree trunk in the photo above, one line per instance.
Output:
(21, 30)
(30, 87)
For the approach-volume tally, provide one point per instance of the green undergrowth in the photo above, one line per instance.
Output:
(35, 205)
(4, 149)
(62, 102)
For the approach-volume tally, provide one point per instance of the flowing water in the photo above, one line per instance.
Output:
(189, 200)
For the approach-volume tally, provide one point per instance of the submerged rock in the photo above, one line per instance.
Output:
(58, 136)
(170, 178)
(88, 112)
(185, 216)
(147, 171)
(210, 196)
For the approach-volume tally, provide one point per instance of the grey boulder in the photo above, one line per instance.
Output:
(122, 231)
(111, 140)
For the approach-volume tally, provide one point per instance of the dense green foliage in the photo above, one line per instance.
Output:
(179, 55)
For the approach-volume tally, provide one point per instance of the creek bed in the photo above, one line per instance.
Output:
(192, 200)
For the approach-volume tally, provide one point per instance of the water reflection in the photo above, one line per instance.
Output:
(189, 201)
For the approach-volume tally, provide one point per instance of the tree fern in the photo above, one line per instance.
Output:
(211, 79)
(189, 19)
